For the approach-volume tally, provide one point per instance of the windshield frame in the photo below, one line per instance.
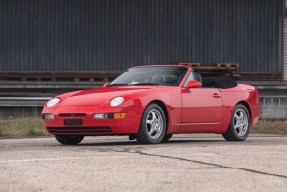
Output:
(183, 76)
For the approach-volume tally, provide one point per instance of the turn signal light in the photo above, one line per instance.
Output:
(119, 115)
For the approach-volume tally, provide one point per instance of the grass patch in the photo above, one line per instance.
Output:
(33, 126)
(22, 127)
(270, 127)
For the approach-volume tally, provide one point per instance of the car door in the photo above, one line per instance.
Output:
(201, 105)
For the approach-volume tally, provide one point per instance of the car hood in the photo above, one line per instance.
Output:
(101, 95)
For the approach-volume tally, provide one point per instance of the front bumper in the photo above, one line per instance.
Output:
(88, 124)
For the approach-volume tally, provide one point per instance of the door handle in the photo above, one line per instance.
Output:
(215, 95)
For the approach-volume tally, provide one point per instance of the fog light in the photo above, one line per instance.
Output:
(119, 115)
(48, 116)
(102, 116)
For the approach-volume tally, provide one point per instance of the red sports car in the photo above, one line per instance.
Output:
(151, 103)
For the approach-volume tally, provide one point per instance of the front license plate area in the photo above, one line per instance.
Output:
(73, 122)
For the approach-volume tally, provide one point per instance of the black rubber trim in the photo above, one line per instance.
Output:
(98, 129)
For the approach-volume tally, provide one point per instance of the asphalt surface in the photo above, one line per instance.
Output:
(186, 163)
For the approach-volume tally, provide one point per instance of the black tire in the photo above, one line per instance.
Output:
(145, 134)
(234, 132)
(69, 139)
(166, 138)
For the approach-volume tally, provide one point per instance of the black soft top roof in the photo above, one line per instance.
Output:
(219, 82)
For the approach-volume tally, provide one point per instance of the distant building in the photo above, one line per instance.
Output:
(64, 35)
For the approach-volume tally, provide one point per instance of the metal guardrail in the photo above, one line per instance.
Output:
(271, 106)
(277, 100)
(274, 106)
(39, 101)
(23, 101)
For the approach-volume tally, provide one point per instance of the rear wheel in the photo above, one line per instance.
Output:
(69, 139)
(153, 125)
(239, 126)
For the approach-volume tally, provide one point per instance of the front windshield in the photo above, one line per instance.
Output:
(151, 75)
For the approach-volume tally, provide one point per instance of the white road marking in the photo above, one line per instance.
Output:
(67, 158)
(131, 156)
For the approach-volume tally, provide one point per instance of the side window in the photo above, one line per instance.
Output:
(190, 77)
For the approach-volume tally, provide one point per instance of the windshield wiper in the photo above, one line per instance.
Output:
(145, 84)
(119, 84)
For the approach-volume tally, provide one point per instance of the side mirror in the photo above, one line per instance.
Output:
(193, 84)
(106, 84)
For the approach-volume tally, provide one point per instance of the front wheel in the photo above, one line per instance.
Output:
(239, 126)
(153, 125)
(69, 139)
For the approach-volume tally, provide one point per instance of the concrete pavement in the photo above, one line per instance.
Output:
(202, 162)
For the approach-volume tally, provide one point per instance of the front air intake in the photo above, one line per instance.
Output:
(72, 114)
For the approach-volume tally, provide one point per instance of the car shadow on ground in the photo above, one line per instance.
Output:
(134, 143)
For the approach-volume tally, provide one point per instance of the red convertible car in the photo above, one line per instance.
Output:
(151, 103)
